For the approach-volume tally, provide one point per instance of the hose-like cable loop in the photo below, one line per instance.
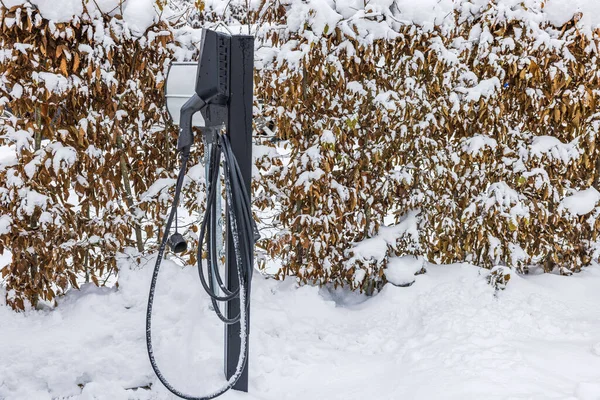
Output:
(242, 231)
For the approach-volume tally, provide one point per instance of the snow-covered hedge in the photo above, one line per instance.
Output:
(480, 115)
(452, 130)
(80, 91)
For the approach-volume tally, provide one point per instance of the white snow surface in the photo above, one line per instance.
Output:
(400, 271)
(553, 148)
(557, 12)
(448, 336)
(375, 248)
(8, 156)
(474, 145)
(138, 14)
(5, 223)
(581, 202)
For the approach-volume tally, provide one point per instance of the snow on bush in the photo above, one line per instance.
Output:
(476, 119)
(482, 115)
(80, 87)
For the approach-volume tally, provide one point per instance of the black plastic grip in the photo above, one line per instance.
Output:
(191, 107)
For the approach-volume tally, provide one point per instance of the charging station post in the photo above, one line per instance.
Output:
(220, 86)
(239, 129)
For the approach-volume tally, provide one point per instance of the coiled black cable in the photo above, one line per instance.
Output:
(244, 234)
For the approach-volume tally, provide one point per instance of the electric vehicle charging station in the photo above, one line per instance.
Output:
(220, 86)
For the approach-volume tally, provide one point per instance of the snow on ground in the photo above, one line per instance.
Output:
(448, 336)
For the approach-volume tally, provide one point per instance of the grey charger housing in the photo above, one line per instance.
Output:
(212, 83)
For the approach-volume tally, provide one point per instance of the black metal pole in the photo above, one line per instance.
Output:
(239, 129)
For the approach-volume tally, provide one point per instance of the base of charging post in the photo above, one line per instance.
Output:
(239, 129)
